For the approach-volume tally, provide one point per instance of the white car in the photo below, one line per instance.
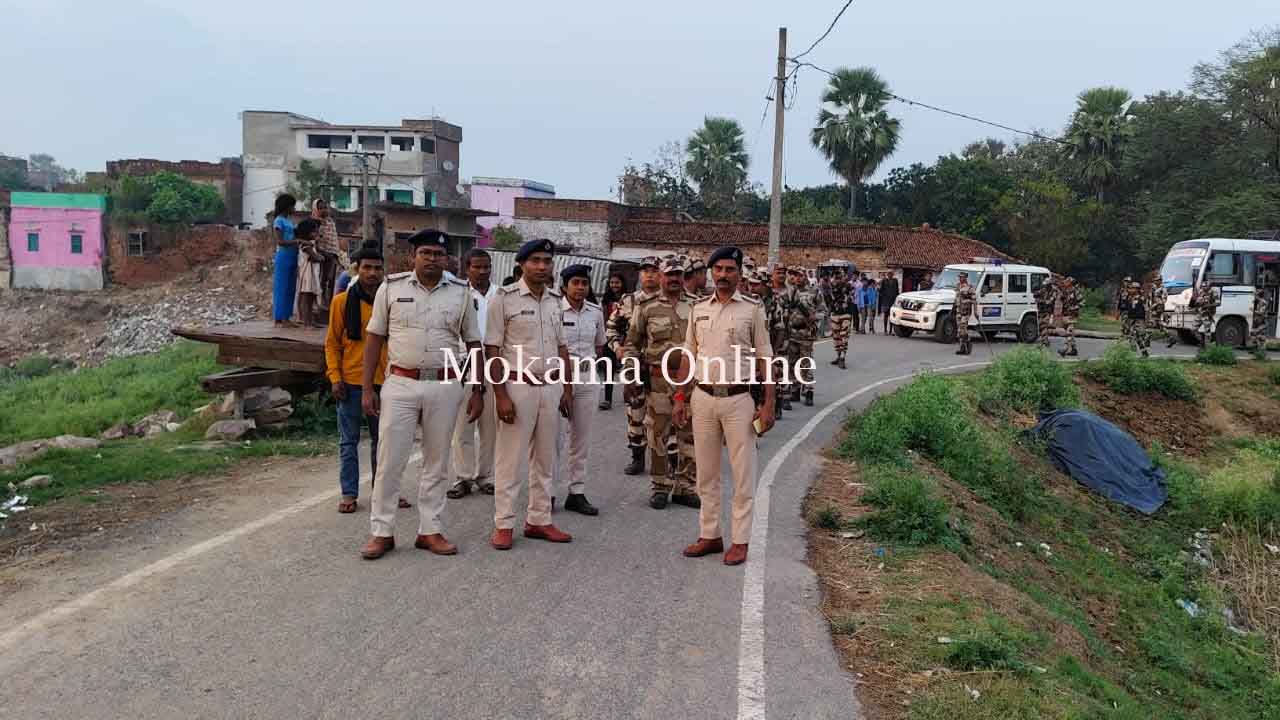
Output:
(1006, 302)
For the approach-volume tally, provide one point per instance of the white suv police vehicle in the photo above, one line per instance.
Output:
(1006, 301)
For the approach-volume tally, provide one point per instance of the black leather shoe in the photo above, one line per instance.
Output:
(786, 403)
(808, 399)
(578, 503)
(658, 500)
(692, 501)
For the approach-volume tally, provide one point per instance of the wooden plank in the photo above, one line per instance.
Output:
(252, 377)
(234, 359)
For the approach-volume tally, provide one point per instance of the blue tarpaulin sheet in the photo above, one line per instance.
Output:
(1102, 457)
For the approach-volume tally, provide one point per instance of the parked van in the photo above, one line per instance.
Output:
(1006, 302)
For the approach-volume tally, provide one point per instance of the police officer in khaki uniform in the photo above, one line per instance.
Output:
(525, 332)
(659, 324)
(616, 333)
(423, 318)
(583, 323)
(732, 329)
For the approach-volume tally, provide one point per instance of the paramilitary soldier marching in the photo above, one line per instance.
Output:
(616, 329)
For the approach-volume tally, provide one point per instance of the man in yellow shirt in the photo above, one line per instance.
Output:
(344, 365)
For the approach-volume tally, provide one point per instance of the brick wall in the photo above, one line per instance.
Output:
(598, 211)
(871, 260)
(579, 238)
(175, 251)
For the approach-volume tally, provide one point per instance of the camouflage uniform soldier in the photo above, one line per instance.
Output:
(1046, 301)
(616, 330)
(840, 303)
(966, 301)
(775, 313)
(1133, 310)
(695, 280)
(1205, 301)
(1258, 326)
(1156, 297)
(801, 307)
(1124, 300)
(659, 324)
(1071, 302)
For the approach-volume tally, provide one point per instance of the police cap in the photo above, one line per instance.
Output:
(429, 237)
(726, 253)
(573, 271)
(533, 246)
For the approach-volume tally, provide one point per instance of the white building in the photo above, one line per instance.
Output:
(415, 163)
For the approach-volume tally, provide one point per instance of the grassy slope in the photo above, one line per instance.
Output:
(1090, 628)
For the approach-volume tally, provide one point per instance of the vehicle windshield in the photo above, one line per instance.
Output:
(949, 279)
(1181, 266)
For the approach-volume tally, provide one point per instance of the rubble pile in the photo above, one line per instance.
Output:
(144, 328)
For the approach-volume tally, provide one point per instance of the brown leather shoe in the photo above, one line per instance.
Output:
(737, 554)
(705, 547)
(436, 544)
(550, 533)
(377, 547)
(501, 539)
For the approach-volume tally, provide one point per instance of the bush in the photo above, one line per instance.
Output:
(1123, 371)
(1026, 379)
(1274, 374)
(1215, 354)
(926, 415)
(1095, 300)
(984, 651)
(828, 518)
(910, 512)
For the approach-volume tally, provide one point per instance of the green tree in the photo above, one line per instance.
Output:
(661, 182)
(12, 178)
(1246, 81)
(166, 198)
(718, 162)
(315, 181)
(1097, 134)
(1046, 225)
(506, 237)
(854, 131)
(49, 172)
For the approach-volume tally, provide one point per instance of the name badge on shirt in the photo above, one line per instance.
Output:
(569, 323)
(528, 312)
(700, 318)
(404, 299)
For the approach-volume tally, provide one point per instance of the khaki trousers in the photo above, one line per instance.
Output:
(406, 406)
(473, 460)
(724, 422)
(574, 442)
(533, 433)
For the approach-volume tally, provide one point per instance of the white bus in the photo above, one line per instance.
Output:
(1233, 267)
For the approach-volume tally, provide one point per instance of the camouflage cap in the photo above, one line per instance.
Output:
(759, 277)
(696, 263)
(675, 263)
(650, 261)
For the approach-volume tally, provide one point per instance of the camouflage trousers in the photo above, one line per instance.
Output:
(840, 333)
(635, 419)
(797, 349)
(1069, 326)
(1204, 328)
(962, 333)
(1046, 327)
(662, 433)
(1258, 337)
(1135, 331)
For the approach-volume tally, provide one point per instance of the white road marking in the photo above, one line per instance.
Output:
(66, 610)
(751, 681)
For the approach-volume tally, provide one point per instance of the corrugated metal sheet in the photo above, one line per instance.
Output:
(504, 262)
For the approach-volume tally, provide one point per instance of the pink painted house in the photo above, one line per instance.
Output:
(499, 195)
(56, 240)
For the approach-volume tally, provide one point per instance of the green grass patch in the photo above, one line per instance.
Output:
(1122, 370)
(87, 401)
(827, 518)
(1273, 374)
(909, 510)
(1215, 354)
(1093, 320)
(1027, 380)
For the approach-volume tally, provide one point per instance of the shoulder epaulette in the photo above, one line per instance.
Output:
(554, 292)
(750, 298)
(399, 276)
(591, 305)
(459, 283)
(513, 287)
(646, 299)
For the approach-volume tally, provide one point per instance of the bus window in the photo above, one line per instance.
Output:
(1223, 267)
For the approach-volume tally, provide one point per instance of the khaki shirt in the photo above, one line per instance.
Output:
(716, 328)
(657, 326)
(420, 324)
(583, 330)
(518, 319)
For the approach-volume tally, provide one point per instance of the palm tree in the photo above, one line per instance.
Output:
(717, 161)
(854, 132)
(1097, 135)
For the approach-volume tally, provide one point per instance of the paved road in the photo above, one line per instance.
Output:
(275, 616)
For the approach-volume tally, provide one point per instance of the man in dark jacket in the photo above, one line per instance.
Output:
(888, 296)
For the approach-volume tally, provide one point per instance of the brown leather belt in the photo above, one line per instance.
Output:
(724, 390)
(439, 375)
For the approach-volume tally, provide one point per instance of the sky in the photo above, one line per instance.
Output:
(567, 91)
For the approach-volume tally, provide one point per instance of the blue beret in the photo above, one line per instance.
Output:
(429, 237)
(534, 246)
(726, 253)
(573, 271)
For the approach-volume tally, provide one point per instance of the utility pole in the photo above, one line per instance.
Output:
(775, 200)
(364, 199)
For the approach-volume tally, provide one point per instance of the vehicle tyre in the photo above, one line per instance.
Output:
(1230, 332)
(1029, 329)
(945, 330)
(903, 332)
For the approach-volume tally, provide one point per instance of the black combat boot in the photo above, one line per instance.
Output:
(841, 364)
(808, 399)
(637, 462)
